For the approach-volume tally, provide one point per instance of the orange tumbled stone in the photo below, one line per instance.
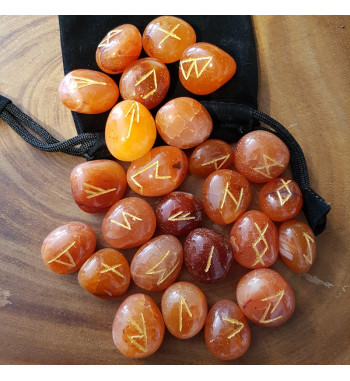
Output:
(146, 80)
(130, 131)
(254, 238)
(88, 91)
(226, 195)
(261, 156)
(166, 37)
(159, 172)
(184, 308)
(226, 332)
(129, 223)
(183, 122)
(67, 247)
(138, 327)
(119, 48)
(209, 156)
(297, 245)
(204, 68)
(105, 274)
(157, 263)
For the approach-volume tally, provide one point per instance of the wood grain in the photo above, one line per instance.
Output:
(49, 319)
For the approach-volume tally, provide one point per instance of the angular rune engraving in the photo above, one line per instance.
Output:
(179, 216)
(194, 63)
(141, 336)
(126, 224)
(209, 259)
(268, 163)
(113, 269)
(169, 34)
(277, 296)
(156, 176)
(215, 161)
(94, 191)
(284, 185)
(80, 82)
(144, 77)
(110, 34)
(239, 326)
(161, 272)
(182, 302)
(134, 109)
(259, 255)
(308, 239)
(227, 192)
(65, 252)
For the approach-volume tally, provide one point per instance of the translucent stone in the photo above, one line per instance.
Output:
(166, 37)
(67, 247)
(97, 185)
(157, 263)
(204, 68)
(88, 91)
(265, 297)
(138, 326)
(105, 274)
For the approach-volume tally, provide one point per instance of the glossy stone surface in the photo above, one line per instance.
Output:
(179, 213)
(119, 49)
(166, 37)
(129, 223)
(157, 263)
(261, 156)
(67, 247)
(183, 122)
(281, 199)
(209, 156)
(105, 274)
(265, 297)
(159, 172)
(98, 184)
(297, 245)
(208, 255)
(130, 131)
(184, 308)
(138, 326)
(254, 238)
(146, 80)
(226, 331)
(88, 91)
(226, 195)
(204, 68)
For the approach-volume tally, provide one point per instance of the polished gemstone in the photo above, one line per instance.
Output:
(226, 331)
(226, 195)
(138, 326)
(204, 68)
(265, 297)
(67, 247)
(130, 131)
(254, 238)
(159, 172)
(88, 91)
(297, 245)
(166, 37)
(119, 49)
(105, 274)
(146, 80)
(184, 308)
(261, 156)
(208, 255)
(129, 223)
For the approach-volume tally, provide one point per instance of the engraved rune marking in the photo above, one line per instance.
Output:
(181, 217)
(233, 198)
(259, 255)
(126, 224)
(144, 77)
(284, 185)
(82, 82)
(169, 34)
(96, 191)
(209, 259)
(141, 336)
(194, 65)
(134, 109)
(161, 272)
(182, 302)
(110, 34)
(112, 269)
(235, 323)
(215, 161)
(279, 295)
(65, 252)
(156, 176)
(308, 239)
(268, 163)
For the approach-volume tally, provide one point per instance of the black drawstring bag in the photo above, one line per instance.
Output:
(233, 107)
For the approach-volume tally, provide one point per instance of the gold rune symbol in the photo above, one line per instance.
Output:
(237, 329)
(134, 109)
(181, 217)
(233, 198)
(267, 166)
(308, 239)
(284, 185)
(259, 255)
(209, 259)
(169, 34)
(144, 77)
(110, 34)
(142, 334)
(194, 65)
(65, 252)
(156, 176)
(82, 82)
(279, 295)
(112, 269)
(162, 272)
(215, 161)
(182, 302)
(96, 191)
(126, 225)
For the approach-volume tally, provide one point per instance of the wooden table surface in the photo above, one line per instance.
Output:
(47, 318)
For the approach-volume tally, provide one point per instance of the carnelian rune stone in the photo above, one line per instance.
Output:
(129, 223)
(157, 263)
(204, 68)
(166, 37)
(67, 247)
(105, 274)
(119, 48)
(226, 331)
(159, 172)
(265, 297)
(226, 195)
(261, 156)
(297, 245)
(254, 238)
(88, 91)
(97, 185)
(138, 326)
(183, 122)
(130, 131)
(146, 80)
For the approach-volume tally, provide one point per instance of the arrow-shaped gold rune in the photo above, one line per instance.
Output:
(142, 334)
(94, 191)
(181, 217)
(126, 224)
(82, 82)
(110, 34)
(65, 252)
(162, 271)
(239, 326)
(278, 296)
